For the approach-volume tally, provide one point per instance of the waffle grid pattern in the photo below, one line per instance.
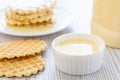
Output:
(27, 17)
(21, 48)
(22, 66)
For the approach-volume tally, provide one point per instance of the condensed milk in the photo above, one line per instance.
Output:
(78, 54)
(78, 46)
(106, 21)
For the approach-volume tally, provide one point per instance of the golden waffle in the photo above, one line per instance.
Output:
(33, 10)
(30, 14)
(43, 14)
(34, 21)
(45, 23)
(21, 48)
(22, 66)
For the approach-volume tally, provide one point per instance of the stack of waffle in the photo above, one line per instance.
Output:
(18, 58)
(29, 12)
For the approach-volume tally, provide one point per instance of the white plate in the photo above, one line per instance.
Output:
(62, 19)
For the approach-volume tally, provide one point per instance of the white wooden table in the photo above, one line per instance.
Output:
(82, 10)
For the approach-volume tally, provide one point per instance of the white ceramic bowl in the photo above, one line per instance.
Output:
(78, 64)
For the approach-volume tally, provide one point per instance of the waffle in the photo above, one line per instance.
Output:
(22, 66)
(29, 22)
(45, 13)
(51, 22)
(41, 11)
(21, 48)
(32, 9)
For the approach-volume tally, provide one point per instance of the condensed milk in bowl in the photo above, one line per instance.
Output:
(78, 54)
